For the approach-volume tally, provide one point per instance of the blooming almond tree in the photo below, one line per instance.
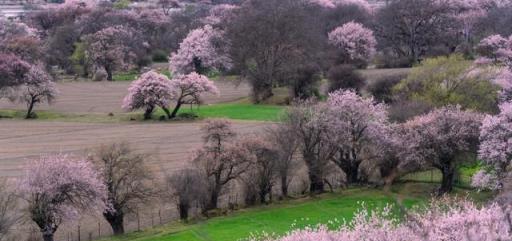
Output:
(108, 48)
(13, 70)
(354, 40)
(199, 52)
(149, 91)
(496, 138)
(59, 188)
(356, 125)
(188, 89)
(438, 139)
(490, 47)
(361, 4)
(37, 88)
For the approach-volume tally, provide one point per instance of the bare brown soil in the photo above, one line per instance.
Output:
(106, 97)
(169, 143)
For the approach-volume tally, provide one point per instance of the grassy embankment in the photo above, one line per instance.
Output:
(278, 218)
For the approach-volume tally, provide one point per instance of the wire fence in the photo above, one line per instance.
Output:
(461, 180)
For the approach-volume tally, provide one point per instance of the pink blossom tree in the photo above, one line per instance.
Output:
(219, 14)
(356, 125)
(354, 40)
(440, 138)
(188, 89)
(362, 4)
(496, 138)
(59, 188)
(13, 70)
(149, 91)
(467, 13)
(199, 52)
(108, 48)
(490, 46)
(37, 88)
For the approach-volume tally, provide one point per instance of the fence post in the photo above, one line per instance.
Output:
(152, 219)
(160, 215)
(138, 220)
(78, 230)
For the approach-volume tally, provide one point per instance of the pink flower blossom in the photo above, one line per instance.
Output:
(355, 40)
(150, 90)
(198, 51)
(59, 188)
(496, 138)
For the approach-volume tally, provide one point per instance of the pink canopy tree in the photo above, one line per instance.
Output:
(438, 139)
(108, 48)
(496, 138)
(59, 188)
(362, 4)
(149, 91)
(357, 125)
(354, 40)
(188, 89)
(13, 70)
(200, 52)
(37, 88)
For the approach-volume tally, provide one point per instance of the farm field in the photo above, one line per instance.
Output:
(106, 97)
(169, 143)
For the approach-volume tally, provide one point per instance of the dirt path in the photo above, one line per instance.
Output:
(169, 143)
(106, 97)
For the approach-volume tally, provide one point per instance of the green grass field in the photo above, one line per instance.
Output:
(278, 218)
(237, 111)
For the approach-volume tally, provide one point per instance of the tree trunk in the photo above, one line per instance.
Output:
(214, 199)
(30, 108)
(176, 109)
(148, 112)
(284, 185)
(109, 73)
(167, 112)
(116, 221)
(351, 172)
(47, 236)
(317, 183)
(447, 181)
(183, 209)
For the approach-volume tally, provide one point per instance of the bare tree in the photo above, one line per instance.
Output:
(186, 189)
(263, 168)
(410, 28)
(220, 160)
(286, 144)
(308, 122)
(127, 178)
(167, 5)
(270, 39)
(8, 209)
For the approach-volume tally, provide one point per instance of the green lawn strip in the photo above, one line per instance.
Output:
(237, 111)
(277, 218)
(67, 117)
